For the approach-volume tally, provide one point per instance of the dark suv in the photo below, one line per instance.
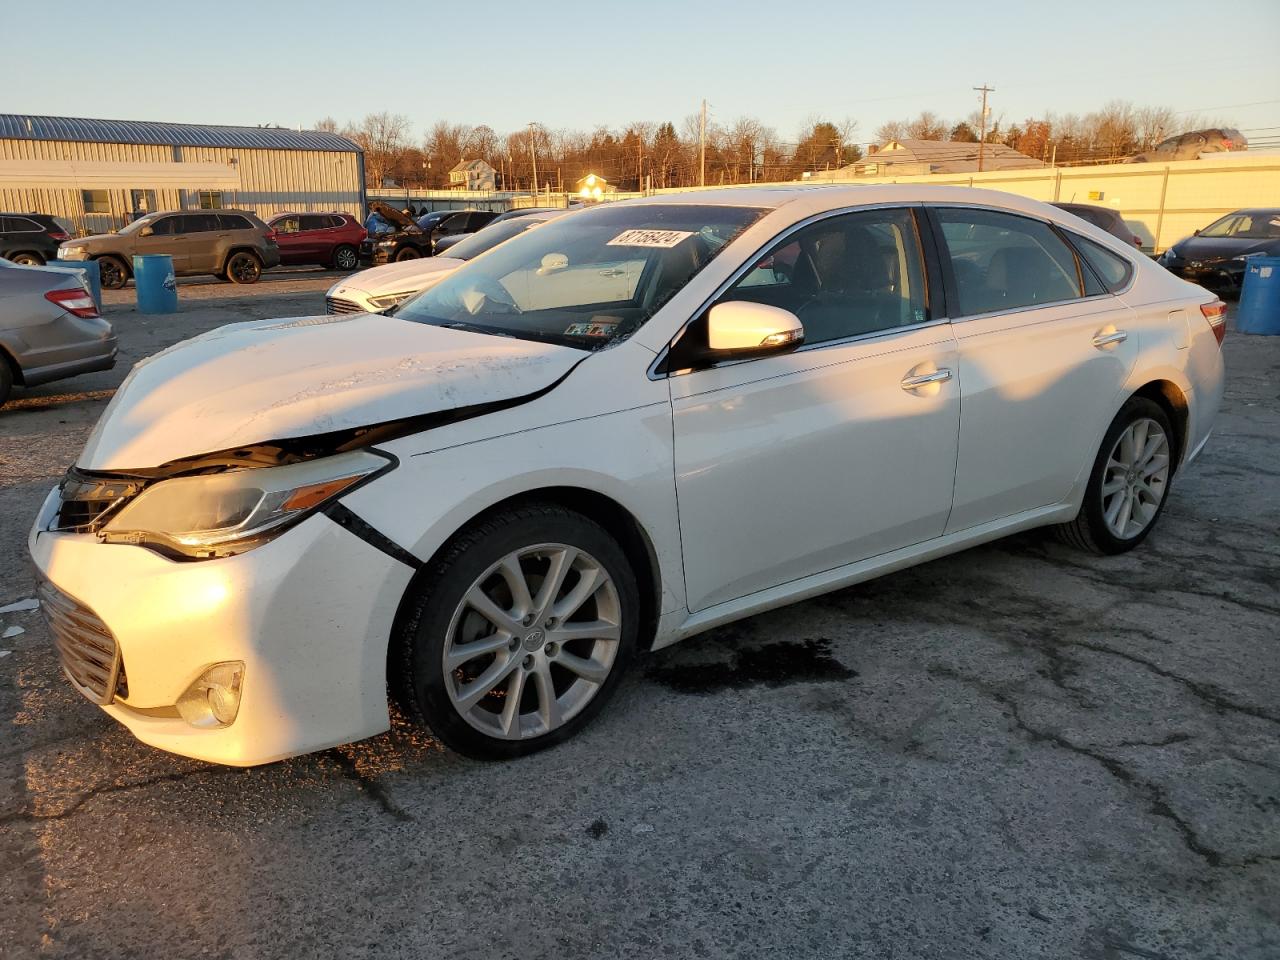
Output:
(232, 244)
(1106, 218)
(411, 239)
(326, 239)
(30, 238)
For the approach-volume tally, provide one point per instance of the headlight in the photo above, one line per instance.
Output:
(222, 514)
(390, 299)
(64, 252)
(1249, 256)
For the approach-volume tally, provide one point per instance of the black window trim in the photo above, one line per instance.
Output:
(658, 370)
(1130, 278)
(952, 291)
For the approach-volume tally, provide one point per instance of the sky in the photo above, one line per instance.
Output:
(582, 65)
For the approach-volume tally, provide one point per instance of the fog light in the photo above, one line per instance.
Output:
(214, 699)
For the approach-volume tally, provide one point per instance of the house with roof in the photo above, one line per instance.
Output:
(912, 157)
(473, 175)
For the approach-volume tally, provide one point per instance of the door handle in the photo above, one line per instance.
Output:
(924, 379)
(1107, 339)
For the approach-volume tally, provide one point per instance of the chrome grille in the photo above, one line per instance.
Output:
(86, 646)
(338, 305)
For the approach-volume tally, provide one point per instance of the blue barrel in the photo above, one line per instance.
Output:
(89, 270)
(1259, 309)
(157, 286)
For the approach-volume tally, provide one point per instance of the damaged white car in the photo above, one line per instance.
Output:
(606, 435)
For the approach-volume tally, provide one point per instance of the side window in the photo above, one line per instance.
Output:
(845, 276)
(231, 221)
(1002, 261)
(286, 225)
(336, 221)
(166, 226)
(454, 224)
(1113, 270)
(199, 223)
(315, 222)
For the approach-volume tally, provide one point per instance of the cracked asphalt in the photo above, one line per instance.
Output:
(1020, 751)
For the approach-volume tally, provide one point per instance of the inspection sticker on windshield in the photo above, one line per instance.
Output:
(596, 327)
(649, 238)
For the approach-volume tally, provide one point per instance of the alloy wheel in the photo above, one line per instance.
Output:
(532, 641)
(1135, 478)
(346, 259)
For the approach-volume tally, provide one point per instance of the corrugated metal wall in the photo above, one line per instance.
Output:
(272, 181)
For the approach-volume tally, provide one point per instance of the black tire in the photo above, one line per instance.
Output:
(243, 267)
(417, 669)
(407, 253)
(27, 258)
(345, 257)
(113, 271)
(1089, 530)
(6, 378)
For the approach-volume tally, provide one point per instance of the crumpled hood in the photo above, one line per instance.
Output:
(269, 380)
(396, 277)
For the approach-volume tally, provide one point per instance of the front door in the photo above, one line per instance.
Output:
(790, 465)
(168, 236)
(1044, 354)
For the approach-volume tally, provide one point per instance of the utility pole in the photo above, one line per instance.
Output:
(702, 147)
(533, 159)
(982, 124)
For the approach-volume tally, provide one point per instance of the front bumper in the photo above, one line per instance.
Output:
(308, 613)
(1211, 274)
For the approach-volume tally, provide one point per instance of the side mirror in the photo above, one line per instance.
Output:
(146, 231)
(553, 263)
(1196, 234)
(740, 328)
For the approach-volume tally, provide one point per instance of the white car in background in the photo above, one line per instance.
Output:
(604, 436)
(379, 288)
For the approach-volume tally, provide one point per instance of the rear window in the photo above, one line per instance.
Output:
(232, 222)
(1113, 270)
(313, 221)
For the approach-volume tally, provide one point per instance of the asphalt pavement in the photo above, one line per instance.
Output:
(1020, 751)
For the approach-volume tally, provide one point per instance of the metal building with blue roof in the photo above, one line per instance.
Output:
(100, 174)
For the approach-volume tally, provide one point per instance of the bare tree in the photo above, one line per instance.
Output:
(384, 138)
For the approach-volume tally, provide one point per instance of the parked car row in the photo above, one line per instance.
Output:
(408, 239)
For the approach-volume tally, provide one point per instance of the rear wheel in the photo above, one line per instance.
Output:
(520, 632)
(407, 253)
(346, 257)
(28, 259)
(1129, 483)
(6, 379)
(244, 267)
(113, 273)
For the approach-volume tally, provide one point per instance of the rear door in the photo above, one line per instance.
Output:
(207, 241)
(317, 237)
(1043, 357)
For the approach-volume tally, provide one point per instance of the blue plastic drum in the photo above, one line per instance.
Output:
(156, 283)
(1259, 310)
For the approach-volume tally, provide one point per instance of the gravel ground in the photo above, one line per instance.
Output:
(1016, 752)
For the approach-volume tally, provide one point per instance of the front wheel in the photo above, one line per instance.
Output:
(1129, 483)
(243, 267)
(520, 632)
(346, 258)
(28, 259)
(113, 273)
(407, 253)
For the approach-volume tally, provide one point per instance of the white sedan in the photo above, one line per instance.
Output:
(387, 286)
(604, 436)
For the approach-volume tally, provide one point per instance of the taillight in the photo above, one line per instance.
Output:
(58, 235)
(1228, 145)
(1137, 241)
(1216, 313)
(76, 302)
(271, 235)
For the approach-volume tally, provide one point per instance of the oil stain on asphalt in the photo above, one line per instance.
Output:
(772, 664)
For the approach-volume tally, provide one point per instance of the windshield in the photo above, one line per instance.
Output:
(1260, 225)
(139, 224)
(587, 280)
(488, 238)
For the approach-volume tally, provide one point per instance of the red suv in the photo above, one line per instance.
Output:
(327, 239)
